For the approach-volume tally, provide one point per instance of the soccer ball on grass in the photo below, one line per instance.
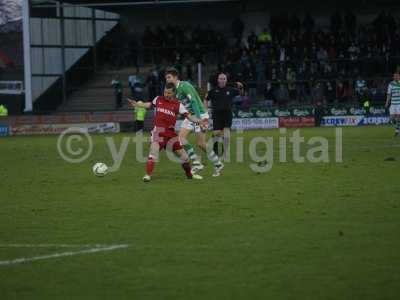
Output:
(100, 169)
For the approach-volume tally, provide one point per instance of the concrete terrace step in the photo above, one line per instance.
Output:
(93, 93)
(94, 102)
(98, 94)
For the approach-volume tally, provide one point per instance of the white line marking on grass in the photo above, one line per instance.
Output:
(54, 245)
(55, 255)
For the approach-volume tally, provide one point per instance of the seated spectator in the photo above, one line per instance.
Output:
(153, 84)
(118, 90)
(291, 78)
(269, 95)
(342, 92)
(360, 87)
(377, 92)
(330, 88)
(246, 101)
(318, 93)
(136, 85)
(237, 102)
(282, 94)
(322, 55)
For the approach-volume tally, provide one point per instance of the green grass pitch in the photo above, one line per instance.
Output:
(301, 231)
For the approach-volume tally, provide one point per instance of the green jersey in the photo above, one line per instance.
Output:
(394, 92)
(187, 94)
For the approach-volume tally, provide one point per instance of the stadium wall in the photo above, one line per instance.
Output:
(112, 122)
(46, 44)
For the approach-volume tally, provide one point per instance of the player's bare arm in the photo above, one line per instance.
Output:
(202, 122)
(134, 103)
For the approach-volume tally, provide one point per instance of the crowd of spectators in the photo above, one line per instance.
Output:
(291, 60)
(301, 63)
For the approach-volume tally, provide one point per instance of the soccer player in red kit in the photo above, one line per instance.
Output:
(163, 135)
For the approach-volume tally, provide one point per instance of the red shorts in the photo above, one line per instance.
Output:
(166, 139)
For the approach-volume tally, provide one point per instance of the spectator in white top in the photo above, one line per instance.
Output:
(136, 86)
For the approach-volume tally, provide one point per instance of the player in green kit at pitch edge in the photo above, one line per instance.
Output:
(393, 100)
(188, 95)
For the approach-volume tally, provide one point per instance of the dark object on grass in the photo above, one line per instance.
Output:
(389, 159)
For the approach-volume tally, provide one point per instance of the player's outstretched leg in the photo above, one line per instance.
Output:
(211, 155)
(197, 165)
(221, 141)
(218, 142)
(149, 169)
(186, 164)
(183, 136)
(218, 164)
(151, 161)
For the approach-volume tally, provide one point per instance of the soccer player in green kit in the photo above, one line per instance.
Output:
(393, 101)
(188, 95)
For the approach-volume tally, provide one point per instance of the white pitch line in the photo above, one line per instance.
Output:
(54, 245)
(55, 255)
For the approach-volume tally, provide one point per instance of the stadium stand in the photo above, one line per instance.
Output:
(291, 61)
(283, 59)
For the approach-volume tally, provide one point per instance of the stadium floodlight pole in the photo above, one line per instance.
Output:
(26, 33)
(132, 3)
(63, 67)
(94, 40)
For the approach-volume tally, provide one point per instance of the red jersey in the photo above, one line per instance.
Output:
(166, 112)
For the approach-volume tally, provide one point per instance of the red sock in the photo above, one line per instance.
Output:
(150, 166)
(188, 169)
